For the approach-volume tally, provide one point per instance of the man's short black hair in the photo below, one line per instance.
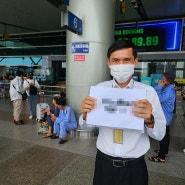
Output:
(170, 76)
(61, 101)
(19, 73)
(121, 44)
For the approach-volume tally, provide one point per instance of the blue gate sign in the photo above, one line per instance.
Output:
(74, 23)
(80, 47)
(66, 2)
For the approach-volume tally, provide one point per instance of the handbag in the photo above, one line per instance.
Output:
(24, 95)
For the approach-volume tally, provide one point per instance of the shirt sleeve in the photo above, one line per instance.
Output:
(164, 95)
(159, 129)
(25, 84)
(37, 84)
(82, 122)
(67, 115)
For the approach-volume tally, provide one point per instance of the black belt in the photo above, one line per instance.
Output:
(120, 162)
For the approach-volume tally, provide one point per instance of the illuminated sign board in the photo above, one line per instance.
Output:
(152, 36)
(66, 2)
(183, 38)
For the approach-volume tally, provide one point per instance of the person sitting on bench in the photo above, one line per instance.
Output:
(50, 117)
(64, 122)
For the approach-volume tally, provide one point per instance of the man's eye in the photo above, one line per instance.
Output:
(127, 60)
(115, 61)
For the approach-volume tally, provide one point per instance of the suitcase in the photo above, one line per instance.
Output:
(39, 109)
(41, 97)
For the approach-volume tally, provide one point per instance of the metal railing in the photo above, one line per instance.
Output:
(44, 89)
(52, 90)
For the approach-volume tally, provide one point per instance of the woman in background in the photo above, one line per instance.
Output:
(52, 114)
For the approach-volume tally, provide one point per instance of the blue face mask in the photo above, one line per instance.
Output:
(121, 73)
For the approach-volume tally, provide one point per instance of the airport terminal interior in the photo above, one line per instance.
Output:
(32, 38)
(28, 159)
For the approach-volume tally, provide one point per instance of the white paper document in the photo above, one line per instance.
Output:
(114, 108)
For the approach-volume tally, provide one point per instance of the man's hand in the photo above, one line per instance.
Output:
(87, 105)
(162, 83)
(46, 111)
(53, 118)
(143, 109)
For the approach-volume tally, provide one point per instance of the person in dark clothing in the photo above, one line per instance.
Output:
(51, 115)
(167, 96)
(176, 88)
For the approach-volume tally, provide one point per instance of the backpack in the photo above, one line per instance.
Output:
(33, 89)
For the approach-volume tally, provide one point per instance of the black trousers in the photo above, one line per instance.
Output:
(164, 144)
(109, 173)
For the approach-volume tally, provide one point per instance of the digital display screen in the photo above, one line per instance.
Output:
(152, 36)
(183, 37)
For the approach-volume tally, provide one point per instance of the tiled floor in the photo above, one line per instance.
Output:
(28, 159)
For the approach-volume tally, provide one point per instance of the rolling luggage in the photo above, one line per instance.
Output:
(42, 124)
(39, 109)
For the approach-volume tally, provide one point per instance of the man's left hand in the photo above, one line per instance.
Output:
(143, 109)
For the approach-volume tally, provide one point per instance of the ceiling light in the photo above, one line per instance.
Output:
(133, 1)
(135, 5)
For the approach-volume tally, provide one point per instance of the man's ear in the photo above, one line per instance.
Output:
(135, 62)
(108, 63)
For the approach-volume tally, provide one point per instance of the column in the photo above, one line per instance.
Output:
(98, 21)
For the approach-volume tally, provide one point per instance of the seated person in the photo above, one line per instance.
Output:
(64, 122)
(50, 117)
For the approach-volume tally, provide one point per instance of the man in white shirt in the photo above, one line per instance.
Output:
(123, 162)
(16, 91)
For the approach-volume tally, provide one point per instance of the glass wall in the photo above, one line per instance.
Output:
(151, 68)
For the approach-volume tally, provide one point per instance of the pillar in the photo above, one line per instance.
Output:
(98, 21)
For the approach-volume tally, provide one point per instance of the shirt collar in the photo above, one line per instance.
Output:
(129, 86)
(64, 111)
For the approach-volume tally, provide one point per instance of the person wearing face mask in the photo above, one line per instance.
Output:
(31, 85)
(16, 89)
(167, 96)
(123, 162)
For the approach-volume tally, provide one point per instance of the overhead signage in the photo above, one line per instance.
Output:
(74, 23)
(180, 80)
(80, 47)
(66, 2)
(152, 36)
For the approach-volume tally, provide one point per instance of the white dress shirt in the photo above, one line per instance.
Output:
(135, 143)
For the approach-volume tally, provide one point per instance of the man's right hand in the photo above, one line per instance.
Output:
(86, 106)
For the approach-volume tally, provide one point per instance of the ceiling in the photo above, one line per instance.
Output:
(154, 9)
(44, 16)
(41, 15)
